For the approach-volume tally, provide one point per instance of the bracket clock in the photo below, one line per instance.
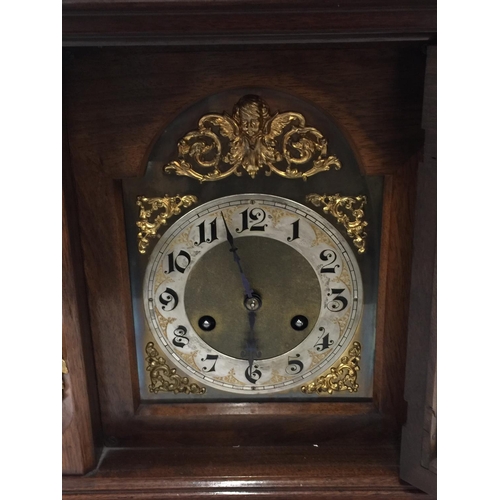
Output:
(238, 228)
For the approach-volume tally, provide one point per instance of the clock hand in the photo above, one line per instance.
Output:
(246, 284)
(251, 344)
(252, 303)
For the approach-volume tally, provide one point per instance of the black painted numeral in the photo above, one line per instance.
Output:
(338, 303)
(210, 357)
(295, 234)
(252, 220)
(179, 263)
(202, 233)
(169, 299)
(324, 341)
(329, 256)
(180, 339)
(295, 366)
(253, 375)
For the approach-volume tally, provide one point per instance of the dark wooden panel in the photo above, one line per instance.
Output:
(106, 269)
(80, 406)
(416, 449)
(274, 428)
(394, 290)
(228, 22)
(122, 99)
(308, 409)
(342, 471)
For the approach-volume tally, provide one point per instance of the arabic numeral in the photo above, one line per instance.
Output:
(168, 299)
(210, 357)
(295, 366)
(295, 229)
(202, 233)
(253, 375)
(338, 303)
(324, 342)
(252, 220)
(329, 256)
(179, 263)
(180, 340)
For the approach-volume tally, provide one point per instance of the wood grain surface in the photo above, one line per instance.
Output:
(421, 365)
(394, 290)
(343, 471)
(121, 99)
(223, 22)
(80, 405)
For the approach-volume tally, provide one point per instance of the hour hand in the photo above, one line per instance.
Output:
(229, 236)
(246, 284)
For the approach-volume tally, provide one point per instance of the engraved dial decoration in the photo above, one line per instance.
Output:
(253, 294)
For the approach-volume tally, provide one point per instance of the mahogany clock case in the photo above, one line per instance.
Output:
(117, 103)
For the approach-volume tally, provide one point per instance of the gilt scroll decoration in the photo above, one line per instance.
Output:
(64, 372)
(165, 379)
(342, 377)
(154, 213)
(348, 211)
(251, 140)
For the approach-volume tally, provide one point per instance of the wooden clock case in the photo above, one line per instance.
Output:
(129, 70)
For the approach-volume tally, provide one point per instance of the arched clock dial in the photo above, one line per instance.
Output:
(253, 294)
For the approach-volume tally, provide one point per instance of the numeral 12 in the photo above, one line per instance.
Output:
(257, 215)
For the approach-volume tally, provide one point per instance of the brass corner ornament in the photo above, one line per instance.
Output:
(165, 379)
(166, 206)
(252, 139)
(353, 222)
(339, 378)
(64, 371)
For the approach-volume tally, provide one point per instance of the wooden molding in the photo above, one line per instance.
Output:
(314, 472)
(196, 22)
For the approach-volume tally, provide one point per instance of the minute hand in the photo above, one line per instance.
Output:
(246, 284)
(251, 351)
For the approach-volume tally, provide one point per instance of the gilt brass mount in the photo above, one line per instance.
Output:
(339, 378)
(166, 206)
(337, 206)
(64, 371)
(165, 379)
(250, 140)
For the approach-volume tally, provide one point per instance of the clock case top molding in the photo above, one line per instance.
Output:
(111, 124)
(201, 23)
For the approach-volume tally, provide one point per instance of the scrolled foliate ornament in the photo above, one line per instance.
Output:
(348, 211)
(251, 140)
(164, 378)
(154, 212)
(342, 377)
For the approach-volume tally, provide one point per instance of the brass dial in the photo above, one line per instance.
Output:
(282, 277)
